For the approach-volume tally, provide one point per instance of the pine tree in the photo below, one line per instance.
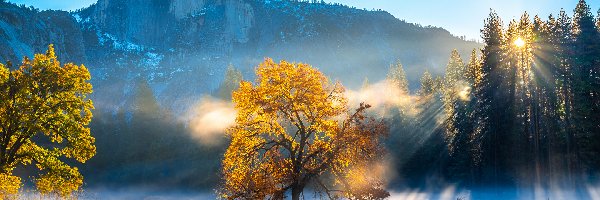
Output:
(457, 121)
(519, 47)
(146, 124)
(455, 70)
(396, 76)
(144, 100)
(474, 77)
(517, 71)
(586, 88)
(427, 84)
(493, 108)
(473, 71)
(546, 75)
(561, 40)
(453, 85)
(231, 82)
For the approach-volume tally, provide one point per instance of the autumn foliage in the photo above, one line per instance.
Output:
(44, 113)
(294, 131)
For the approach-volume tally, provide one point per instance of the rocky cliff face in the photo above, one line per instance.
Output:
(138, 21)
(159, 23)
(239, 17)
(24, 31)
(186, 8)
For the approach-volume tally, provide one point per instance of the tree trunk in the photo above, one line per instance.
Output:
(296, 191)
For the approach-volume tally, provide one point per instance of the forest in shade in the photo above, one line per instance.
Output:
(520, 113)
(517, 119)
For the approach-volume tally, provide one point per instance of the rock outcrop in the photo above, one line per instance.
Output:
(240, 18)
(186, 8)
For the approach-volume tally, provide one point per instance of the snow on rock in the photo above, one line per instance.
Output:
(77, 17)
(152, 59)
(119, 45)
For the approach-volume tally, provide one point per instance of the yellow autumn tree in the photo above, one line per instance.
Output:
(294, 131)
(44, 117)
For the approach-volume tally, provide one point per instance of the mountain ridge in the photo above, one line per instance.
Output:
(169, 42)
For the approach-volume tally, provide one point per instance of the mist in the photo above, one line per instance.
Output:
(209, 119)
(383, 96)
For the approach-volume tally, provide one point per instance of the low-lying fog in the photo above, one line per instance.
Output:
(450, 193)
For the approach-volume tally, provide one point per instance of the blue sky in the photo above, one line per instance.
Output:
(465, 17)
(460, 17)
(56, 4)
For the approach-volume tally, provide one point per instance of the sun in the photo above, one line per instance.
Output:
(519, 42)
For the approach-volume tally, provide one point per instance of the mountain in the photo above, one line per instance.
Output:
(182, 47)
(152, 59)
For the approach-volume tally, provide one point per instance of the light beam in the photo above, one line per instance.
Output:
(520, 42)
